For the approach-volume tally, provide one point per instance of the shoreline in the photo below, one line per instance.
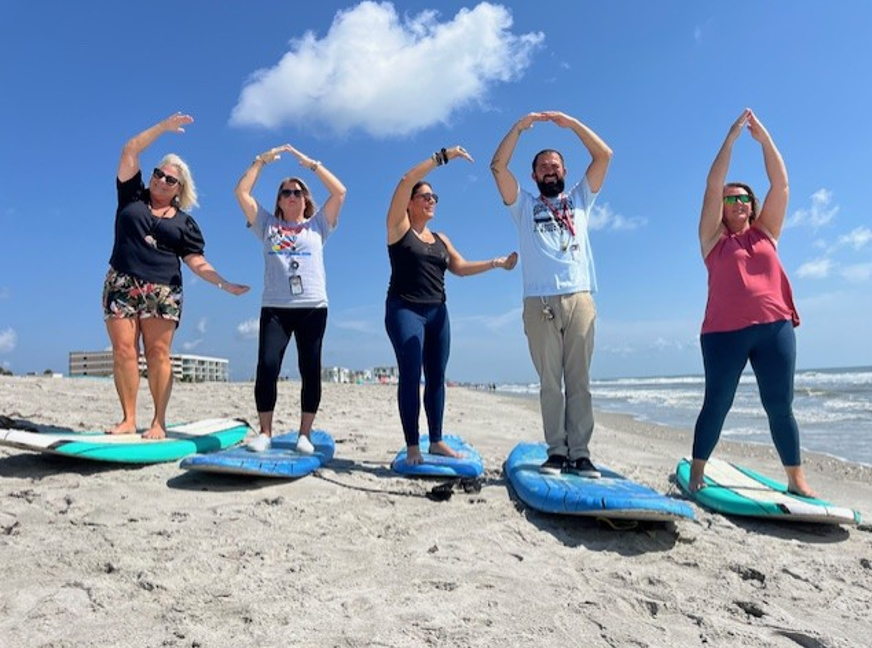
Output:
(354, 556)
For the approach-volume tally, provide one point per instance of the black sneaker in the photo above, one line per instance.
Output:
(583, 467)
(553, 466)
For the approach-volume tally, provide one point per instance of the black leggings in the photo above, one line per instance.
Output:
(276, 327)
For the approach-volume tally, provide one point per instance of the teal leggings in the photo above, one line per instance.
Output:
(771, 348)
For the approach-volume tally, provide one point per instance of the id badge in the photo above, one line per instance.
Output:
(296, 285)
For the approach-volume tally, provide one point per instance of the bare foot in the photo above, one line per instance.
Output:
(441, 448)
(696, 485)
(796, 483)
(413, 456)
(697, 476)
(156, 431)
(125, 427)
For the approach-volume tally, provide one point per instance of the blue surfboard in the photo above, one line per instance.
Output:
(470, 465)
(280, 461)
(610, 496)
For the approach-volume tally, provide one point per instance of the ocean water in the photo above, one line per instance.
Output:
(833, 407)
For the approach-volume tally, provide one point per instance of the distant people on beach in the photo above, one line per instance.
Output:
(294, 299)
(142, 293)
(416, 317)
(750, 314)
(559, 282)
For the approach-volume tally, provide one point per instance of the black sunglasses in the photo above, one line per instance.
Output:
(287, 193)
(427, 196)
(166, 177)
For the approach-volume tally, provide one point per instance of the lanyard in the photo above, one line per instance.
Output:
(562, 216)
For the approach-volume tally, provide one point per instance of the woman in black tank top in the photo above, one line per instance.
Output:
(416, 318)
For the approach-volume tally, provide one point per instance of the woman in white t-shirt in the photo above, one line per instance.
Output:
(295, 285)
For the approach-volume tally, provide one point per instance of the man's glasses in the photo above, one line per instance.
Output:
(732, 200)
(427, 197)
(166, 177)
(287, 193)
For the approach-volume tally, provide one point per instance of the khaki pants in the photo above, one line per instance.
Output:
(561, 349)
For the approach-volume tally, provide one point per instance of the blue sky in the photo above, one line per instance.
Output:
(370, 89)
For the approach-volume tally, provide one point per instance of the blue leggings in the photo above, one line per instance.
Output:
(421, 336)
(771, 348)
(277, 325)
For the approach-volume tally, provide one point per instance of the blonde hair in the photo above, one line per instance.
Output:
(187, 197)
(310, 208)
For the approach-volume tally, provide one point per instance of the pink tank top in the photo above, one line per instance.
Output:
(746, 284)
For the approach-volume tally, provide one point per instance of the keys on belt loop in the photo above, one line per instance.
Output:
(547, 311)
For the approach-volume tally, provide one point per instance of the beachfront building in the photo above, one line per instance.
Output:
(186, 368)
(389, 375)
(345, 375)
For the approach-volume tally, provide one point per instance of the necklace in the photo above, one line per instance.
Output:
(160, 213)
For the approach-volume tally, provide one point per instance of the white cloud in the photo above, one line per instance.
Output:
(8, 340)
(602, 217)
(820, 213)
(857, 239)
(249, 329)
(817, 269)
(4, 292)
(857, 273)
(192, 344)
(201, 325)
(386, 75)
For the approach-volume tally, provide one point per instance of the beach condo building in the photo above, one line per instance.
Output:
(386, 375)
(345, 375)
(186, 368)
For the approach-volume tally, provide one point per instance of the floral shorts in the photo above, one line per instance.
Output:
(127, 297)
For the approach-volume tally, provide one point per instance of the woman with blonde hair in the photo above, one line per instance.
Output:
(142, 293)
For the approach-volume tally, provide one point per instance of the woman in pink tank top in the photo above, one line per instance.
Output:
(750, 314)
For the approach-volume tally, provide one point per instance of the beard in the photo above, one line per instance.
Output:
(551, 188)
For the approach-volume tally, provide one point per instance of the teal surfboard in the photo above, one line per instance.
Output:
(611, 496)
(735, 490)
(281, 461)
(470, 465)
(208, 435)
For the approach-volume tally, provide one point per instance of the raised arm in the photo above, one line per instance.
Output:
(398, 217)
(335, 188)
(711, 216)
(246, 183)
(600, 153)
(774, 209)
(507, 184)
(128, 165)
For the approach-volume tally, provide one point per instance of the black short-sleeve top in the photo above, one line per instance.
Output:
(147, 247)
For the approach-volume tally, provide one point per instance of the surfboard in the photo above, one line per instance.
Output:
(735, 490)
(470, 465)
(207, 435)
(280, 461)
(611, 496)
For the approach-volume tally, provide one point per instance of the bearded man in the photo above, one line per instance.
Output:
(559, 280)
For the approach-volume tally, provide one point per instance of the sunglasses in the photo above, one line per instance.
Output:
(732, 200)
(287, 193)
(166, 177)
(427, 196)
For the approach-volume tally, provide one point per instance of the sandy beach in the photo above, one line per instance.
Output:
(104, 555)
